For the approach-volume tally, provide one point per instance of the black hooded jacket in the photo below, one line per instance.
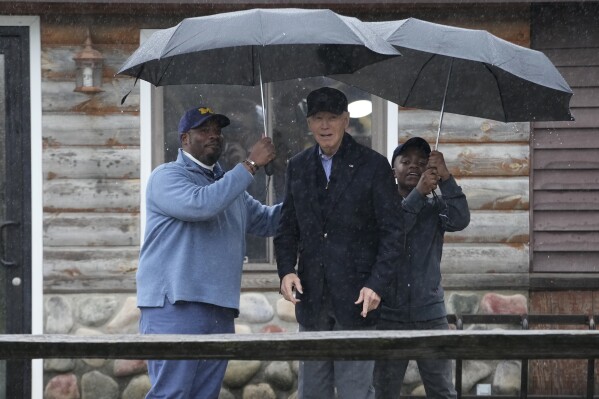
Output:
(418, 293)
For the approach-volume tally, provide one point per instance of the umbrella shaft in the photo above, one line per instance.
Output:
(443, 105)
(263, 102)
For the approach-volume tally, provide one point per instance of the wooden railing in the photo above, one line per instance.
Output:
(525, 322)
(349, 345)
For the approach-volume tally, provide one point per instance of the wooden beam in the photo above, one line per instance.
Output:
(565, 221)
(568, 159)
(62, 129)
(507, 344)
(496, 193)
(91, 195)
(586, 179)
(91, 163)
(564, 282)
(572, 262)
(493, 227)
(91, 230)
(459, 128)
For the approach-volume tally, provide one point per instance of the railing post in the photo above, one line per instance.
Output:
(524, 366)
(459, 324)
(591, 367)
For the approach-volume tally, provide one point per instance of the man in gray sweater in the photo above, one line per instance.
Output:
(418, 300)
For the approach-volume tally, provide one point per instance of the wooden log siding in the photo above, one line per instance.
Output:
(510, 193)
(68, 129)
(91, 229)
(495, 242)
(485, 227)
(110, 269)
(493, 227)
(91, 156)
(91, 165)
(565, 198)
(59, 97)
(69, 263)
(486, 160)
(92, 195)
(342, 345)
(458, 128)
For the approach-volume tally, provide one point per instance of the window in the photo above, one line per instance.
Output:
(286, 124)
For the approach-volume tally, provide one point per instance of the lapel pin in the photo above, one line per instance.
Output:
(351, 166)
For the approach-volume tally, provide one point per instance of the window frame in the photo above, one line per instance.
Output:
(384, 140)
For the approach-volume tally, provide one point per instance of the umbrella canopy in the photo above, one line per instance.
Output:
(248, 47)
(464, 71)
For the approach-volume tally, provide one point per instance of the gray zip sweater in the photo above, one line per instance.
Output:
(418, 293)
(195, 234)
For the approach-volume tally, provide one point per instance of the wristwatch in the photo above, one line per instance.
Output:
(252, 163)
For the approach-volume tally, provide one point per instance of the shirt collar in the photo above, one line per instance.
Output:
(211, 167)
(325, 156)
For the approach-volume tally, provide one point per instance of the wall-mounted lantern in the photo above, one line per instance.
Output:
(89, 63)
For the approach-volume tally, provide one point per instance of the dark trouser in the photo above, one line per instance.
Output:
(186, 379)
(436, 374)
(320, 379)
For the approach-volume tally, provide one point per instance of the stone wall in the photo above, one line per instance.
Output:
(264, 312)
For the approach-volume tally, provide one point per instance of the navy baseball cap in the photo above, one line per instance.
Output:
(326, 99)
(417, 142)
(196, 116)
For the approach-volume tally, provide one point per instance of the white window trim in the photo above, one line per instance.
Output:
(145, 140)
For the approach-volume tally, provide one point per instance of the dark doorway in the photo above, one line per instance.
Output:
(15, 204)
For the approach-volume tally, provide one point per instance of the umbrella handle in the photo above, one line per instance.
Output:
(443, 105)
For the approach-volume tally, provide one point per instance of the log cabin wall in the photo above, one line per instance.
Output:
(91, 159)
(91, 155)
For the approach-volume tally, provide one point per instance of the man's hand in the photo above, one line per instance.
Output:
(370, 300)
(436, 161)
(428, 181)
(289, 285)
(262, 152)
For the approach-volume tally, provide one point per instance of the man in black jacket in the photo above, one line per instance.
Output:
(418, 299)
(340, 218)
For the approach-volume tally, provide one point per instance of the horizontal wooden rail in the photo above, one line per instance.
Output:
(453, 344)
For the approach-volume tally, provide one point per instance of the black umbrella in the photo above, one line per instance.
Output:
(464, 71)
(241, 47)
(255, 46)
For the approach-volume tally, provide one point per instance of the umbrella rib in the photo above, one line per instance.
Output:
(498, 91)
(174, 46)
(417, 78)
(134, 83)
(255, 55)
(164, 73)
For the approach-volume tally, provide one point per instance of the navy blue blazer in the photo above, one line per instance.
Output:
(341, 238)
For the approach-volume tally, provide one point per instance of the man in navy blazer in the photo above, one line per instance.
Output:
(340, 225)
